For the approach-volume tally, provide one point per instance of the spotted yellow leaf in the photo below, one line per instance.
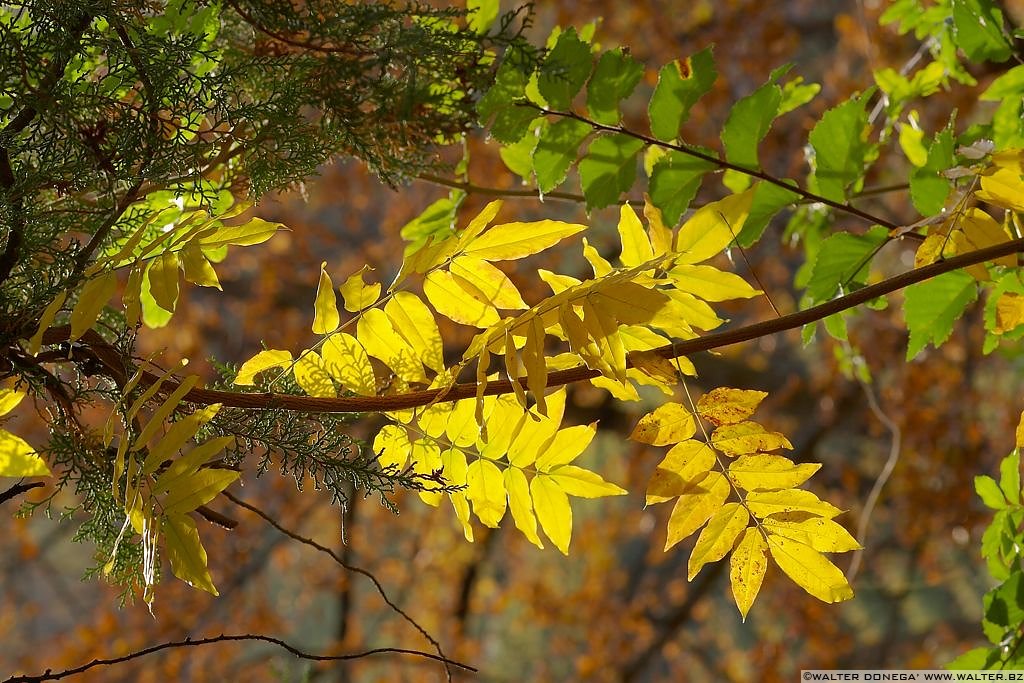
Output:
(669, 423)
(694, 508)
(747, 437)
(718, 537)
(764, 472)
(681, 471)
(747, 567)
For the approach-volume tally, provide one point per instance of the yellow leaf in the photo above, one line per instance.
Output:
(564, 446)
(190, 463)
(198, 269)
(553, 511)
(681, 471)
(934, 247)
(253, 231)
(654, 366)
(711, 284)
(160, 415)
(824, 535)
(485, 489)
(556, 281)
(1019, 434)
(312, 376)
(747, 567)
(358, 295)
(461, 427)
(718, 537)
(95, 295)
(264, 360)
(517, 240)
(426, 460)
(179, 432)
(451, 300)
(582, 483)
(684, 311)
(477, 225)
(1009, 312)
(392, 447)
(188, 492)
(630, 303)
(18, 459)
(9, 400)
(636, 247)
(724, 406)
(980, 230)
(163, 280)
(660, 234)
(131, 298)
(521, 504)
(669, 423)
(764, 503)
(767, 472)
(605, 332)
(809, 569)
(712, 227)
(600, 266)
(695, 507)
(186, 553)
(414, 321)
(347, 362)
(533, 361)
(504, 417)
(494, 287)
(325, 308)
(1004, 188)
(380, 339)
(453, 463)
(45, 321)
(747, 437)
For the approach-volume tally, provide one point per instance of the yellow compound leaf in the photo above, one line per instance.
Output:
(190, 463)
(188, 492)
(932, 249)
(685, 307)
(521, 504)
(426, 460)
(636, 247)
(553, 511)
(454, 468)
(582, 483)
(821, 534)
(747, 567)
(160, 415)
(347, 362)
(518, 240)
(630, 303)
(312, 376)
(163, 280)
(358, 295)
(131, 298)
(556, 281)
(1009, 312)
(493, 286)
(325, 309)
(718, 537)
(179, 432)
(380, 339)
(198, 269)
(669, 423)
(980, 230)
(681, 471)
(724, 406)
(186, 553)
(95, 295)
(762, 472)
(747, 437)
(533, 361)
(505, 418)
(809, 569)
(695, 507)
(711, 284)
(564, 446)
(535, 438)
(485, 489)
(713, 227)
(1004, 188)
(654, 366)
(392, 447)
(447, 295)
(478, 224)
(18, 459)
(414, 321)
(764, 503)
(461, 428)
(604, 330)
(264, 360)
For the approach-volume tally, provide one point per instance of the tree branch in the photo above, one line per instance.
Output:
(224, 638)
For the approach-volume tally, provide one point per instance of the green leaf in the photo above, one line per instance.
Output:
(609, 169)
(747, 124)
(484, 12)
(978, 659)
(518, 157)
(437, 219)
(556, 150)
(987, 488)
(510, 121)
(796, 94)
(842, 261)
(929, 189)
(931, 308)
(1010, 84)
(564, 71)
(680, 85)
(675, 179)
(614, 79)
(1003, 608)
(1009, 477)
(840, 145)
(769, 199)
(979, 31)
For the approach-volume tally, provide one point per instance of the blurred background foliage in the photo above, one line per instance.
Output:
(617, 609)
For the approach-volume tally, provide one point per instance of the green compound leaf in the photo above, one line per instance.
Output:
(748, 123)
(842, 261)
(979, 30)
(675, 180)
(614, 79)
(556, 150)
(564, 71)
(929, 189)
(609, 169)
(931, 308)
(769, 199)
(840, 148)
(680, 85)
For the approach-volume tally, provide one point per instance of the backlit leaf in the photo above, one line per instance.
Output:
(723, 406)
(824, 535)
(931, 307)
(582, 483)
(448, 296)
(198, 269)
(766, 472)
(190, 491)
(557, 148)
(95, 295)
(747, 568)
(565, 70)
(264, 360)
(485, 489)
(163, 280)
(713, 227)
(718, 537)
(312, 376)
(253, 231)
(764, 503)
(348, 364)
(18, 459)
(711, 284)
(748, 122)
(392, 447)
(325, 309)
(454, 469)
(521, 504)
(1009, 477)
(840, 145)
(842, 262)
(614, 78)
(694, 508)
(356, 294)
(674, 182)
(497, 290)
(680, 85)
(636, 246)
(683, 468)
(186, 553)
(747, 437)
(979, 30)
(380, 339)
(809, 569)
(517, 240)
(669, 423)
(609, 168)
(415, 323)
(553, 512)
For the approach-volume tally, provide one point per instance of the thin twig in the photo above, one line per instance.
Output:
(223, 638)
(19, 489)
(358, 570)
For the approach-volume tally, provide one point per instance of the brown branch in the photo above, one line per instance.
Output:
(415, 399)
(722, 164)
(224, 638)
(19, 489)
(529, 193)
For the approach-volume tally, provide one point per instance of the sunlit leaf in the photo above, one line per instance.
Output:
(763, 472)
(765, 503)
(325, 309)
(694, 508)
(718, 537)
(486, 491)
(521, 504)
(186, 553)
(264, 360)
(747, 437)
(809, 569)
(347, 362)
(553, 512)
(724, 406)
(669, 423)
(747, 567)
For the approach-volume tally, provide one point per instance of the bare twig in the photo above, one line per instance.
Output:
(224, 638)
(19, 489)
